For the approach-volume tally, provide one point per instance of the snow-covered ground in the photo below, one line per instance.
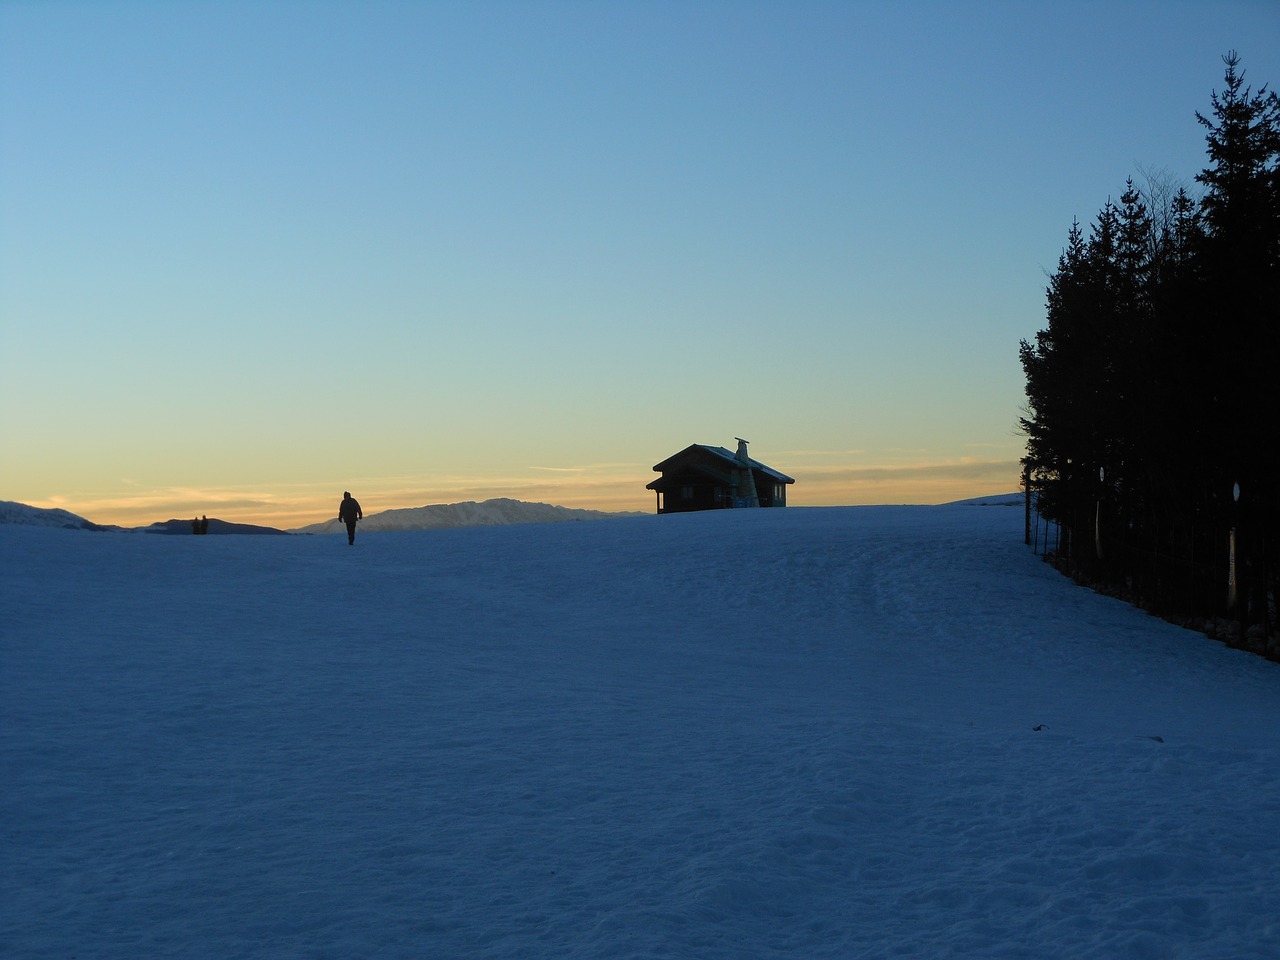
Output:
(843, 732)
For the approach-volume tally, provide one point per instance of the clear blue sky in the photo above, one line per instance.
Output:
(256, 253)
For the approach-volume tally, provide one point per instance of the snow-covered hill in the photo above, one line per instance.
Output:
(23, 515)
(812, 732)
(441, 516)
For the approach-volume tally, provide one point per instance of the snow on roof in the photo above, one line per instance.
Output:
(727, 455)
(753, 463)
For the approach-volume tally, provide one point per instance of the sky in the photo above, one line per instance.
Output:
(256, 254)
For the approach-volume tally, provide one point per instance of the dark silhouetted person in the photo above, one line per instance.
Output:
(204, 524)
(349, 512)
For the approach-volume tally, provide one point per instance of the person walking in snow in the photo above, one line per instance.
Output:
(349, 512)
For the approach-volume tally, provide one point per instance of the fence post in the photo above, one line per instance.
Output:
(1097, 514)
(1233, 598)
(1026, 485)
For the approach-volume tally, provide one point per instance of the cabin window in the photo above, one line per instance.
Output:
(686, 493)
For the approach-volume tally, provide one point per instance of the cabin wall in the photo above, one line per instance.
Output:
(685, 494)
(771, 492)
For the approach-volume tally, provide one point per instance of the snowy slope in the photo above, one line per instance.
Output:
(843, 732)
(21, 514)
(440, 516)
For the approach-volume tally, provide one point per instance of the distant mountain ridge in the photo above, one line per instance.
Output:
(439, 516)
(1015, 499)
(29, 516)
(23, 515)
(498, 511)
(179, 527)
(495, 512)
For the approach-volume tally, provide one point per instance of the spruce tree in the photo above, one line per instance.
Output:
(1239, 260)
(1159, 370)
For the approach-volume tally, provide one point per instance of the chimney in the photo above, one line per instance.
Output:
(746, 480)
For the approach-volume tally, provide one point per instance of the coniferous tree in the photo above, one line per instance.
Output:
(1159, 369)
(1048, 363)
(1080, 370)
(1239, 260)
(1136, 414)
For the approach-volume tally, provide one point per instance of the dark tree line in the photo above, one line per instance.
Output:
(1153, 414)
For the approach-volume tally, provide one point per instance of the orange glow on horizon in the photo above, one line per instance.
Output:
(610, 490)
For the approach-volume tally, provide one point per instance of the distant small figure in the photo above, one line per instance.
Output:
(349, 512)
(204, 524)
(195, 525)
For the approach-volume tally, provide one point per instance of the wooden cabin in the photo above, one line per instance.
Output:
(702, 477)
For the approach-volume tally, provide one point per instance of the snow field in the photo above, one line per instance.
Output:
(805, 732)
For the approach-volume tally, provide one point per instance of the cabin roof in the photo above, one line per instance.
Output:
(717, 454)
